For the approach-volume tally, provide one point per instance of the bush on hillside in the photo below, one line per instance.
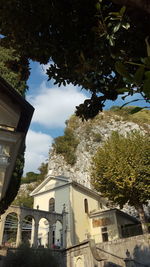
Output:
(66, 146)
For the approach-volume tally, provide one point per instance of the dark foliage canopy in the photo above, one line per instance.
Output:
(97, 44)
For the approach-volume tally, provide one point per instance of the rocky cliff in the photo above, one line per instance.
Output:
(89, 136)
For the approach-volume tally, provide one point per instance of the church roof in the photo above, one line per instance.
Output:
(61, 182)
(37, 190)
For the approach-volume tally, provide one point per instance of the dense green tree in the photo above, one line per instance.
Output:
(66, 145)
(14, 69)
(121, 170)
(30, 177)
(97, 44)
(43, 171)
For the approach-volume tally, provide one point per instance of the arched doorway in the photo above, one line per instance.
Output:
(10, 230)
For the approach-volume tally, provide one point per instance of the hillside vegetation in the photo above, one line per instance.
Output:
(28, 184)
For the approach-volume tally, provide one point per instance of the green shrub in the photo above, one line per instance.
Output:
(24, 200)
(66, 146)
(30, 178)
(28, 257)
(73, 122)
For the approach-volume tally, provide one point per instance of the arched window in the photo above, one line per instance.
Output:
(52, 204)
(86, 206)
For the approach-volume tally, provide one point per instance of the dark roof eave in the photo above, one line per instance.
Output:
(121, 213)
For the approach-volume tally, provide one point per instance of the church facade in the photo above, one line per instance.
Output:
(87, 213)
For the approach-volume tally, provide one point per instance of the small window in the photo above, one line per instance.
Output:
(52, 204)
(37, 207)
(104, 229)
(86, 209)
(104, 234)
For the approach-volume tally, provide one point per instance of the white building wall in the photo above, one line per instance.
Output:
(62, 197)
(80, 217)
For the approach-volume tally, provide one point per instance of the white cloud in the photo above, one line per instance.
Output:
(37, 148)
(53, 106)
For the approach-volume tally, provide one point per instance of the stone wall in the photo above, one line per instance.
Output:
(110, 254)
(138, 247)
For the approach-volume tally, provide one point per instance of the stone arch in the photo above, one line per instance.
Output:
(10, 229)
(37, 215)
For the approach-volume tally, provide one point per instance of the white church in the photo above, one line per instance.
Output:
(87, 214)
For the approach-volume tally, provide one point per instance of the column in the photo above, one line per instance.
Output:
(50, 236)
(2, 226)
(64, 228)
(19, 232)
(35, 235)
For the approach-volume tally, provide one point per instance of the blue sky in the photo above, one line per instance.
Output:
(53, 106)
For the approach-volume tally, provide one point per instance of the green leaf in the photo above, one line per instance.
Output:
(139, 75)
(126, 25)
(120, 68)
(111, 40)
(122, 10)
(114, 14)
(117, 27)
(98, 6)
